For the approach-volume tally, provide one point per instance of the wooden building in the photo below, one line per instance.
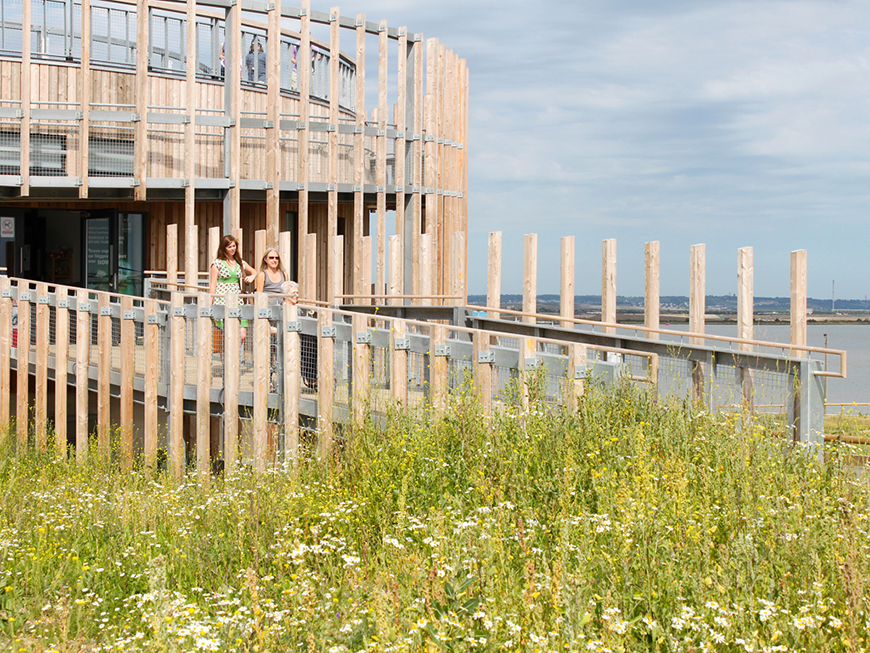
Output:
(109, 132)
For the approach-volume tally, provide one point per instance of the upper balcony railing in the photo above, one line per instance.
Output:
(56, 35)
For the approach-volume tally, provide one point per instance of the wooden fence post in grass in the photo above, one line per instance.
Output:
(61, 369)
(798, 302)
(204, 339)
(292, 383)
(577, 358)
(325, 378)
(399, 362)
(608, 284)
(566, 283)
(152, 377)
(128, 344)
(651, 295)
(104, 369)
(175, 443)
(261, 342)
(22, 421)
(83, 356)
(528, 362)
(697, 307)
(231, 380)
(745, 317)
(40, 401)
(493, 275)
(362, 367)
(438, 367)
(5, 352)
(482, 363)
(530, 277)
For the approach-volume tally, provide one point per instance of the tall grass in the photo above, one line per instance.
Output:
(627, 525)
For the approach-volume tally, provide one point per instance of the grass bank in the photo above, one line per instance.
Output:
(628, 525)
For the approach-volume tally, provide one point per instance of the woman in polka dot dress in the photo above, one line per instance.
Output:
(226, 274)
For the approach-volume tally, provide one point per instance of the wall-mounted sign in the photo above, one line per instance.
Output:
(7, 227)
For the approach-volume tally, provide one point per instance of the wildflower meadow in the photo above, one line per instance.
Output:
(628, 524)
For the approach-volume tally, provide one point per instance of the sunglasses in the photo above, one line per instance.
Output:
(277, 257)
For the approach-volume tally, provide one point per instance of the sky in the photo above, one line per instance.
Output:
(706, 121)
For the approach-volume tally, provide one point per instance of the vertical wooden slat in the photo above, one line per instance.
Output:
(26, 92)
(417, 155)
(745, 295)
(292, 385)
(530, 276)
(233, 108)
(83, 355)
(104, 368)
(5, 354)
(231, 382)
(214, 240)
(361, 368)
(332, 146)
(191, 250)
(204, 330)
(303, 58)
(310, 272)
(61, 368)
(651, 295)
(191, 268)
(172, 254)
(527, 364)
(128, 342)
(325, 382)
(259, 247)
(566, 282)
(22, 404)
(399, 181)
(40, 400)
(176, 386)
(425, 269)
(608, 283)
(697, 294)
(85, 98)
(395, 287)
(336, 263)
(261, 382)
(140, 155)
(576, 371)
(457, 255)
(285, 250)
(798, 301)
(367, 267)
(399, 362)
(152, 376)
(482, 370)
(381, 166)
(438, 368)
(493, 275)
(273, 106)
(359, 159)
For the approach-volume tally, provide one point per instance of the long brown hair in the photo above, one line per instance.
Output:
(226, 241)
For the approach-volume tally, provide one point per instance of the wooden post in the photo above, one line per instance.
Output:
(366, 272)
(566, 285)
(259, 248)
(83, 356)
(310, 271)
(273, 108)
(26, 75)
(172, 255)
(40, 401)
(61, 369)
(652, 297)
(143, 86)
(325, 381)
(231, 381)
(527, 364)
(457, 255)
(336, 263)
(128, 343)
(798, 301)
(85, 85)
(425, 269)
(152, 376)
(697, 295)
(530, 276)
(438, 368)
(5, 354)
(493, 274)
(608, 284)
(204, 328)
(292, 385)
(261, 382)
(381, 148)
(175, 442)
(395, 269)
(191, 269)
(577, 359)
(482, 370)
(332, 150)
(285, 250)
(22, 405)
(307, 256)
(399, 362)
(745, 317)
(104, 369)
(359, 160)
(361, 367)
(214, 241)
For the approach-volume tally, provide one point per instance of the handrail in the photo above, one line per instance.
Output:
(683, 334)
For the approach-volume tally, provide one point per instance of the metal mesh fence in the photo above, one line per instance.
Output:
(10, 147)
(113, 34)
(165, 149)
(110, 149)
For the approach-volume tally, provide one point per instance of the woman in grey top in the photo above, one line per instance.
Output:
(271, 275)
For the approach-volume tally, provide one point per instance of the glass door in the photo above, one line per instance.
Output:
(114, 251)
